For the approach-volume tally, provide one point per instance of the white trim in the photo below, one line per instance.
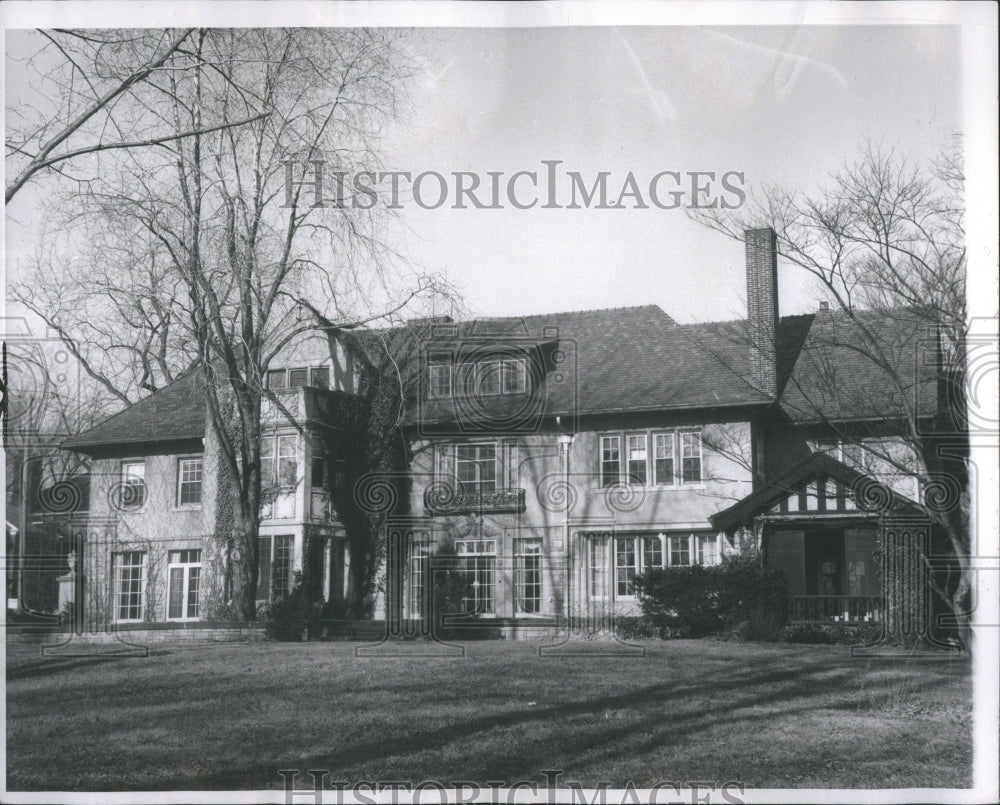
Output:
(178, 506)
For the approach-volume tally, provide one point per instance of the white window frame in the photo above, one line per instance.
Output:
(681, 433)
(181, 461)
(670, 436)
(418, 559)
(476, 550)
(641, 566)
(669, 550)
(627, 475)
(599, 546)
(616, 439)
(703, 539)
(185, 568)
(119, 567)
(522, 375)
(434, 371)
(526, 548)
(123, 483)
(482, 371)
(506, 457)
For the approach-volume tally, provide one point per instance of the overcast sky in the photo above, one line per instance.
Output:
(781, 105)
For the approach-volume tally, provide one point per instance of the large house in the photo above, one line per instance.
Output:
(551, 459)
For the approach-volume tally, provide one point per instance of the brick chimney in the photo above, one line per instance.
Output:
(762, 307)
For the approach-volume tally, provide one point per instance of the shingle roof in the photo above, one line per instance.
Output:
(830, 367)
(174, 413)
(869, 365)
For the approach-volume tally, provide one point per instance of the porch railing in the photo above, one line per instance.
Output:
(836, 608)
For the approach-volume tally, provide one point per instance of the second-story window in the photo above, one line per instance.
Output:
(132, 490)
(476, 468)
(297, 377)
(515, 376)
(279, 460)
(637, 459)
(690, 456)
(676, 458)
(189, 481)
(610, 460)
(440, 381)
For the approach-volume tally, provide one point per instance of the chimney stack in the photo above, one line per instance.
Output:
(762, 307)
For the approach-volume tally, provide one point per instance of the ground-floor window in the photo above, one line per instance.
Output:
(274, 568)
(129, 573)
(418, 604)
(478, 562)
(680, 551)
(184, 577)
(708, 549)
(597, 567)
(635, 555)
(528, 575)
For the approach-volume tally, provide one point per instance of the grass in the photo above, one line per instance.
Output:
(230, 716)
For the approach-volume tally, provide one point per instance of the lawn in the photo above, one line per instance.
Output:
(230, 716)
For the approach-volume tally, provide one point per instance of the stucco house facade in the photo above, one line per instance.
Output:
(551, 459)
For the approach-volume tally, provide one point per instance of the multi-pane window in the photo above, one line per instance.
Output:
(676, 458)
(489, 377)
(528, 575)
(637, 459)
(132, 490)
(625, 566)
(476, 468)
(279, 460)
(680, 551)
(419, 605)
(479, 558)
(515, 380)
(663, 458)
(184, 576)
(652, 552)
(597, 567)
(690, 457)
(708, 549)
(440, 381)
(129, 572)
(511, 465)
(317, 376)
(274, 567)
(610, 460)
(189, 481)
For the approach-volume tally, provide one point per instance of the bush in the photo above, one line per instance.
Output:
(290, 616)
(632, 627)
(740, 594)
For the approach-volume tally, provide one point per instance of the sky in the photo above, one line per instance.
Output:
(782, 105)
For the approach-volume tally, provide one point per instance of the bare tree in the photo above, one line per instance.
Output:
(219, 253)
(884, 243)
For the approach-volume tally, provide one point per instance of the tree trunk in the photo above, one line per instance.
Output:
(244, 565)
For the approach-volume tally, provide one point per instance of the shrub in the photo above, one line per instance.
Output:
(681, 599)
(633, 627)
(740, 594)
(290, 616)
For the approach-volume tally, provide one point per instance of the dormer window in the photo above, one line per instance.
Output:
(299, 376)
(479, 379)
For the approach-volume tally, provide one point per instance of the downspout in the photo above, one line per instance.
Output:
(565, 442)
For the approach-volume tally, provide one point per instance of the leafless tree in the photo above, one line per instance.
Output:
(884, 242)
(234, 261)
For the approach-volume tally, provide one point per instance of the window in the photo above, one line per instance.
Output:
(128, 585)
(598, 567)
(625, 566)
(466, 379)
(479, 565)
(652, 552)
(476, 468)
(189, 481)
(691, 457)
(274, 567)
(663, 458)
(440, 381)
(320, 377)
(637, 459)
(528, 575)
(680, 551)
(132, 491)
(489, 377)
(316, 473)
(511, 465)
(515, 376)
(276, 379)
(184, 576)
(298, 378)
(610, 460)
(419, 604)
(284, 473)
(708, 550)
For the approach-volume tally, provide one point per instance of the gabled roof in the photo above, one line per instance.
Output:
(834, 366)
(173, 413)
(818, 465)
